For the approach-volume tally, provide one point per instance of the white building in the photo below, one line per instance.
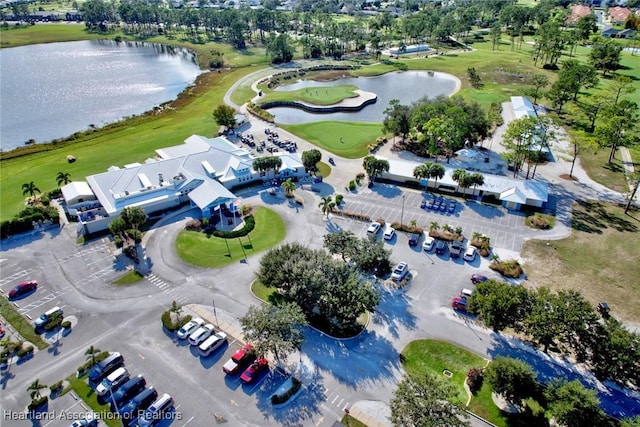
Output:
(202, 171)
(512, 193)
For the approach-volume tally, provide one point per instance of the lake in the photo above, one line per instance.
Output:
(407, 86)
(51, 91)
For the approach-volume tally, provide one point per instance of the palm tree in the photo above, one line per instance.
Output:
(30, 189)
(177, 309)
(91, 353)
(476, 179)
(423, 171)
(434, 226)
(476, 235)
(63, 178)
(458, 176)
(289, 187)
(326, 205)
(436, 171)
(35, 388)
(447, 227)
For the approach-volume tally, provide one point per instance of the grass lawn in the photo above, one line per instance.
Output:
(326, 135)
(41, 33)
(314, 95)
(324, 170)
(599, 259)
(611, 174)
(20, 324)
(208, 251)
(422, 356)
(86, 393)
(129, 278)
(261, 291)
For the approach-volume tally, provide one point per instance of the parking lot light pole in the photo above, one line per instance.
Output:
(402, 214)
(214, 311)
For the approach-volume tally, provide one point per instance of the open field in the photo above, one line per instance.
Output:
(313, 95)
(599, 259)
(355, 136)
(209, 251)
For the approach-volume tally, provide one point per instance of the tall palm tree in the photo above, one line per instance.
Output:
(91, 353)
(423, 171)
(35, 388)
(63, 178)
(434, 226)
(326, 205)
(30, 189)
(289, 187)
(436, 171)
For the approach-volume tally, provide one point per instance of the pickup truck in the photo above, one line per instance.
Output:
(456, 249)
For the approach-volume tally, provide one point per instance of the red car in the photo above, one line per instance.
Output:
(240, 358)
(254, 370)
(459, 303)
(2, 331)
(478, 278)
(23, 288)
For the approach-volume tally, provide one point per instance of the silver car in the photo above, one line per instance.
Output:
(190, 327)
(201, 334)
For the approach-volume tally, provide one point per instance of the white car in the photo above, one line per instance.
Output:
(212, 343)
(201, 334)
(400, 271)
(373, 229)
(190, 327)
(114, 380)
(470, 254)
(389, 233)
(429, 243)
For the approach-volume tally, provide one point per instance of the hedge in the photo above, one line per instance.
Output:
(172, 326)
(23, 221)
(88, 364)
(25, 351)
(277, 399)
(249, 225)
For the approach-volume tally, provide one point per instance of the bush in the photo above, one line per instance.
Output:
(360, 176)
(134, 234)
(538, 221)
(194, 225)
(509, 268)
(352, 185)
(353, 215)
(25, 351)
(4, 360)
(88, 364)
(474, 379)
(53, 323)
(117, 240)
(56, 387)
(249, 225)
(168, 323)
(66, 324)
(381, 222)
(407, 227)
(295, 386)
(339, 199)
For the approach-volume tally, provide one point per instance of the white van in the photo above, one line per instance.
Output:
(212, 343)
(47, 316)
(115, 379)
(466, 293)
(156, 412)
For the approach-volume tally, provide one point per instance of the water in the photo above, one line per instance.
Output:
(53, 90)
(407, 86)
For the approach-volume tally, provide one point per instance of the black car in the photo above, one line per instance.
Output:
(441, 247)
(414, 239)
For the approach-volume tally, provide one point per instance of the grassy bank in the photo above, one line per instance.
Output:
(20, 324)
(599, 259)
(209, 251)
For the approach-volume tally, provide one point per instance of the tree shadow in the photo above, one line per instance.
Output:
(388, 191)
(593, 217)
(483, 209)
(393, 311)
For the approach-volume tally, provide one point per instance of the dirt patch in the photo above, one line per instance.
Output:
(566, 177)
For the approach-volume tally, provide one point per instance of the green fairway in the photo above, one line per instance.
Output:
(433, 356)
(327, 135)
(314, 95)
(208, 251)
(35, 34)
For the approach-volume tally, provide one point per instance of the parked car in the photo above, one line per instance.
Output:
(429, 243)
(470, 254)
(456, 249)
(465, 293)
(389, 233)
(211, 344)
(190, 327)
(459, 303)
(452, 206)
(128, 390)
(201, 334)
(478, 278)
(47, 317)
(104, 368)
(156, 412)
(2, 331)
(23, 289)
(400, 272)
(373, 229)
(240, 358)
(441, 247)
(113, 381)
(88, 420)
(140, 402)
(414, 239)
(254, 370)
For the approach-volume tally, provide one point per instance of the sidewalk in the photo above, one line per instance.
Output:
(373, 413)
(221, 319)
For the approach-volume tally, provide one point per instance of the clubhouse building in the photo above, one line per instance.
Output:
(202, 172)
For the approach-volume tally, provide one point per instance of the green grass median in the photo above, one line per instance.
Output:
(20, 324)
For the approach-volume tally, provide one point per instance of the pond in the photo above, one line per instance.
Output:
(407, 86)
(53, 90)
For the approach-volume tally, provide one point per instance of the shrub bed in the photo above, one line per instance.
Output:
(249, 225)
(509, 268)
(88, 364)
(474, 379)
(407, 227)
(539, 221)
(352, 215)
(170, 325)
(483, 243)
(37, 403)
(25, 351)
(56, 387)
(446, 235)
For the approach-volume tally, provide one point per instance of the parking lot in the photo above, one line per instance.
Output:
(506, 229)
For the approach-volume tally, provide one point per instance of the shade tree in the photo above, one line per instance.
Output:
(310, 159)
(571, 404)
(511, 378)
(225, 115)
